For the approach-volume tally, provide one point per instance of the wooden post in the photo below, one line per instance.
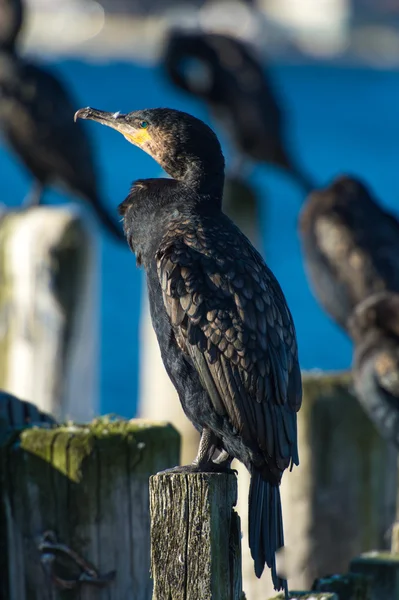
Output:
(350, 586)
(341, 499)
(383, 570)
(76, 508)
(195, 537)
(49, 309)
(15, 415)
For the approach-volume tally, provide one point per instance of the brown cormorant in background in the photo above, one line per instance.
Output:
(225, 332)
(374, 327)
(36, 110)
(238, 92)
(350, 245)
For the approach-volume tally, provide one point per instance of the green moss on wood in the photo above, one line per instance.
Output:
(81, 482)
(145, 440)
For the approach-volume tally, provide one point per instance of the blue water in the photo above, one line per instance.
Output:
(341, 119)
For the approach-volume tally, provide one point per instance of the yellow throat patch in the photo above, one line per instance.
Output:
(139, 137)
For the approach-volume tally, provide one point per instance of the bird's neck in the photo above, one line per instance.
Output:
(152, 206)
(202, 176)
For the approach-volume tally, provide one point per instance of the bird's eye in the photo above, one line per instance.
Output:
(144, 124)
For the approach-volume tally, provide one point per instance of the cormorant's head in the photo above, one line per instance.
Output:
(348, 187)
(186, 148)
(192, 63)
(10, 22)
(379, 312)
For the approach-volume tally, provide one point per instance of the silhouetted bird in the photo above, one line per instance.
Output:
(229, 77)
(10, 22)
(374, 327)
(36, 111)
(350, 246)
(225, 332)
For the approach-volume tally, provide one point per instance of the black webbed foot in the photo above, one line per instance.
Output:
(193, 468)
(209, 467)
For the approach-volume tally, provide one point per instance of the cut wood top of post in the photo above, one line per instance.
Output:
(376, 557)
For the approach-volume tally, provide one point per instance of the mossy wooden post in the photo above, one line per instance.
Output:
(241, 203)
(15, 415)
(382, 568)
(350, 586)
(340, 501)
(77, 509)
(195, 537)
(49, 309)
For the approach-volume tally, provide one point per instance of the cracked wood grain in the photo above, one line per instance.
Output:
(195, 537)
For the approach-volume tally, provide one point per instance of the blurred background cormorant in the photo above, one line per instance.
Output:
(224, 329)
(225, 73)
(350, 246)
(374, 327)
(36, 112)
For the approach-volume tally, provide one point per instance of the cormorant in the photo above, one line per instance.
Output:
(36, 110)
(374, 327)
(225, 332)
(238, 92)
(350, 245)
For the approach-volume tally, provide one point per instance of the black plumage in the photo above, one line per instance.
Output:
(374, 328)
(350, 245)
(224, 329)
(239, 93)
(36, 111)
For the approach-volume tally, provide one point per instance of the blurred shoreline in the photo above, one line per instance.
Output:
(95, 35)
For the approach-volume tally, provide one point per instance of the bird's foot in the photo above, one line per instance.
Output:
(193, 468)
(209, 467)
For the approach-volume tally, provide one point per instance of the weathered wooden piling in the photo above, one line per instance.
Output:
(195, 537)
(77, 510)
(49, 272)
(382, 569)
(350, 586)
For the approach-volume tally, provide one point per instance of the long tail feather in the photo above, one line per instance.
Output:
(265, 527)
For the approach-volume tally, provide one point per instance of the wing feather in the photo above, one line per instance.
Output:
(229, 309)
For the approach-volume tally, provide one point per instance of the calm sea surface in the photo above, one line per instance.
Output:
(341, 119)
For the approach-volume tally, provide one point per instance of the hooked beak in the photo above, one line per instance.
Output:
(116, 121)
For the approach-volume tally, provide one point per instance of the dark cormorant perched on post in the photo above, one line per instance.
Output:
(350, 245)
(36, 111)
(374, 327)
(239, 93)
(226, 335)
